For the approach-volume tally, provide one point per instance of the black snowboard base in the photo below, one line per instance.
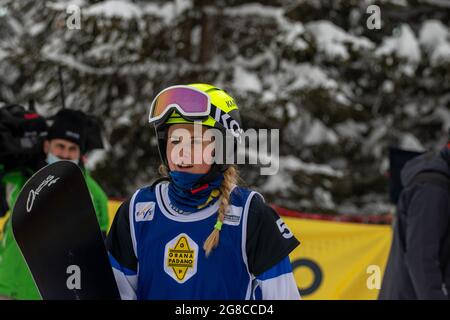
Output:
(56, 228)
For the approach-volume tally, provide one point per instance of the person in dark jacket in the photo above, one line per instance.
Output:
(419, 262)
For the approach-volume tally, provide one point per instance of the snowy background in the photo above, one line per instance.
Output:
(340, 93)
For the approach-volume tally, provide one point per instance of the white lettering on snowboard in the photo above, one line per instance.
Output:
(34, 193)
(74, 280)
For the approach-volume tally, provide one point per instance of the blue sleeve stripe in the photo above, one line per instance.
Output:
(117, 266)
(282, 267)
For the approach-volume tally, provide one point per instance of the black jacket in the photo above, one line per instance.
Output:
(418, 265)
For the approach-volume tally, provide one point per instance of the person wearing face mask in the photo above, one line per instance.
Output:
(65, 140)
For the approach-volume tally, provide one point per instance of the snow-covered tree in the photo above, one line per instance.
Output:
(339, 91)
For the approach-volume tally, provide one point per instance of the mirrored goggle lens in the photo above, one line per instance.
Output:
(189, 101)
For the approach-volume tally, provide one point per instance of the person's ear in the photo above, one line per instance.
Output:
(46, 146)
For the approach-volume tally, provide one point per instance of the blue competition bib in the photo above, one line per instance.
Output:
(169, 248)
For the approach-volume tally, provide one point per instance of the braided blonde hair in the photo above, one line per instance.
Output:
(231, 177)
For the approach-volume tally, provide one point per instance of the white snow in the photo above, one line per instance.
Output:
(282, 181)
(254, 9)
(372, 144)
(411, 143)
(443, 113)
(63, 5)
(182, 5)
(319, 133)
(16, 26)
(324, 197)
(260, 11)
(441, 54)
(196, 35)
(268, 96)
(3, 54)
(434, 36)
(292, 110)
(70, 62)
(351, 129)
(3, 11)
(402, 3)
(411, 109)
(245, 80)
(403, 43)
(440, 3)
(256, 60)
(292, 163)
(37, 28)
(388, 86)
(376, 206)
(332, 40)
(114, 9)
(102, 50)
(167, 12)
(293, 36)
(278, 183)
(309, 77)
(95, 157)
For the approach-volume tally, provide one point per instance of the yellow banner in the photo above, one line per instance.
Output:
(339, 260)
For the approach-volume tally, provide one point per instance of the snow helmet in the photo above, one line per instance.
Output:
(174, 105)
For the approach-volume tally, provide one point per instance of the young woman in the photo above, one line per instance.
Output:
(195, 234)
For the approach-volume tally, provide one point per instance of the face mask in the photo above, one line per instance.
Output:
(51, 158)
(186, 200)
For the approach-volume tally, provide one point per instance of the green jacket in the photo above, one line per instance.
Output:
(15, 278)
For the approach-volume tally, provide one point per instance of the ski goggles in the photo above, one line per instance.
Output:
(191, 103)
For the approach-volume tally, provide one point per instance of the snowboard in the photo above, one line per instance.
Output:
(56, 228)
